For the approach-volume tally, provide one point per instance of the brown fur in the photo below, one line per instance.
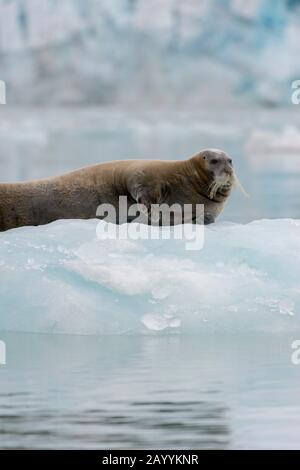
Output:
(77, 195)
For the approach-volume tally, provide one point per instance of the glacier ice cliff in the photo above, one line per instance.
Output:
(62, 278)
(149, 51)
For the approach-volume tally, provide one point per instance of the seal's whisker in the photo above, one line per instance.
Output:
(211, 189)
(214, 188)
(239, 185)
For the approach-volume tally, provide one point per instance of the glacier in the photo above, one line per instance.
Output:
(149, 52)
(63, 278)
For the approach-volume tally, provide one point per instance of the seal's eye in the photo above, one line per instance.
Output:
(230, 161)
(214, 161)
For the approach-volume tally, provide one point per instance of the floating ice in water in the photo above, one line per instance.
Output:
(60, 278)
(277, 150)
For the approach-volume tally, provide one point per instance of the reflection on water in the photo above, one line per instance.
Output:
(148, 392)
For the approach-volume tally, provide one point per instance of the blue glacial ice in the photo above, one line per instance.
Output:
(154, 51)
(61, 278)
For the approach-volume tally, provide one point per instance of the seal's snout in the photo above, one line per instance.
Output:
(222, 167)
(228, 171)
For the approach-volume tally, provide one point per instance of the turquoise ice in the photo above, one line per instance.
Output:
(61, 278)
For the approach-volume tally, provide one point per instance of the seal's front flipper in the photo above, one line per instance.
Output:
(146, 191)
(147, 197)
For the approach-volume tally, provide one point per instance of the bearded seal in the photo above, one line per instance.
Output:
(206, 178)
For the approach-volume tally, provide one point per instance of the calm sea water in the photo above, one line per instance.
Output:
(166, 391)
(148, 392)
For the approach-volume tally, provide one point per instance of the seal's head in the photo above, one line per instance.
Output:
(218, 165)
(217, 169)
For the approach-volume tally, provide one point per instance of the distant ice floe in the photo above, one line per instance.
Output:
(274, 151)
(60, 278)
